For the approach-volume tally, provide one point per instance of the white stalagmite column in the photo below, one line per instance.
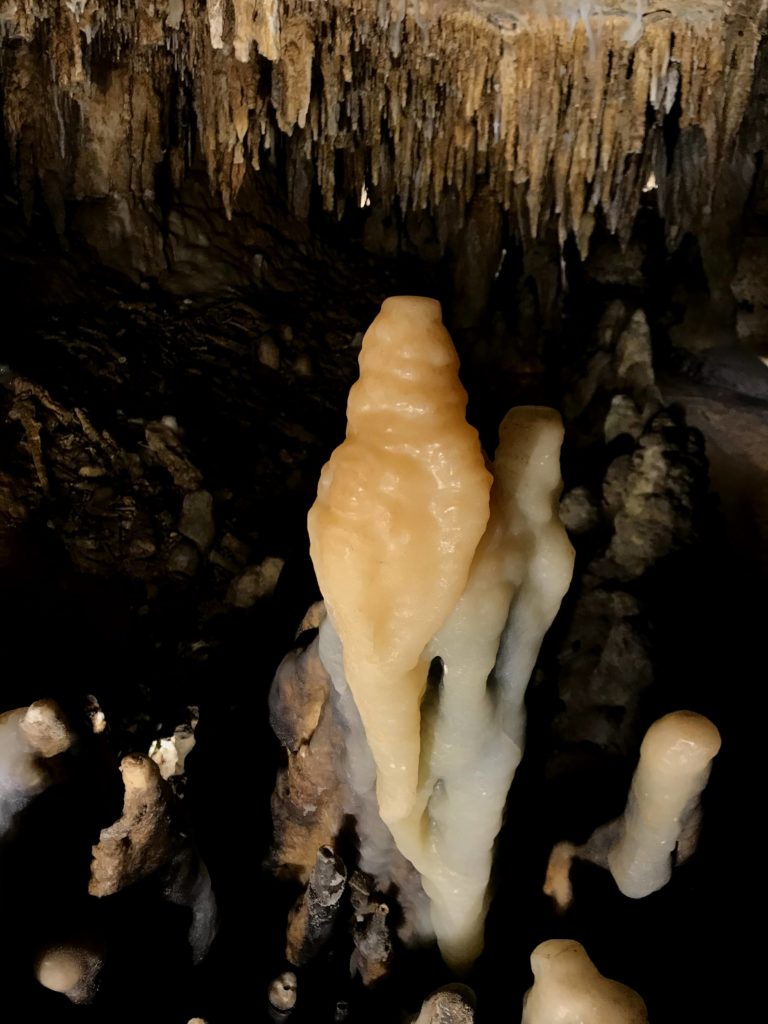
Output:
(416, 562)
(675, 762)
(569, 989)
(472, 734)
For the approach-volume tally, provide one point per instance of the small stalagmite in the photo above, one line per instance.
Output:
(142, 840)
(311, 921)
(282, 996)
(146, 841)
(71, 969)
(675, 762)
(662, 819)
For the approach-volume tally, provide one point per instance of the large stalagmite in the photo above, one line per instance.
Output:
(466, 108)
(429, 573)
(400, 509)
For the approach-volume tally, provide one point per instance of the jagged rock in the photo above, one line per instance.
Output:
(621, 368)
(254, 583)
(750, 287)
(623, 418)
(145, 842)
(164, 442)
(307, 804)
(143, 839)
(297, 696)
(658, 499)
(184, 558)
(372, 932)
(269, 353)
(312, 919)
(196, 522)
(579, 511)
(634, 356)
(605, 667)
(653, 494)
(615, 484)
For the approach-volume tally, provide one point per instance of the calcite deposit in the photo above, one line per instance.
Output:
(465, 108)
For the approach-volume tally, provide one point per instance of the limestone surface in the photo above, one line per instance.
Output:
(540, 109)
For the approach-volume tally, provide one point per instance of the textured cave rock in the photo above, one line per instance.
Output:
(449, 121)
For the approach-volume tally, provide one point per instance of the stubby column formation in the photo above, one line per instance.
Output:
(661, 823)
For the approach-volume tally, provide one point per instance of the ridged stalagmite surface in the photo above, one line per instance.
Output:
(550, 107)
(401, 507)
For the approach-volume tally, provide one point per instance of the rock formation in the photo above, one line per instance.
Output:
(536, 112)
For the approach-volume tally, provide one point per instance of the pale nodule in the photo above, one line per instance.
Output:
(60, 970)
(71, 969)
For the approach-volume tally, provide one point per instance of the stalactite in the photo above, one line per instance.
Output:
(553, 113)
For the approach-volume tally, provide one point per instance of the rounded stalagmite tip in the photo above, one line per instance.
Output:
(70, 969)
(681, 743)
(569, 989)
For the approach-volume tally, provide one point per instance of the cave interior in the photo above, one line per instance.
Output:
(203, 206)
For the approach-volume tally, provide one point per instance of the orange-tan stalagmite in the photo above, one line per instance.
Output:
(401, 507)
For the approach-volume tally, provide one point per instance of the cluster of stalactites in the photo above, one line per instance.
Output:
(554, 113)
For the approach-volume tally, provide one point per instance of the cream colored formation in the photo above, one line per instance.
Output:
(569, 989)
(660, 824)
(72, 969)
(675, 762)
(425, 558)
